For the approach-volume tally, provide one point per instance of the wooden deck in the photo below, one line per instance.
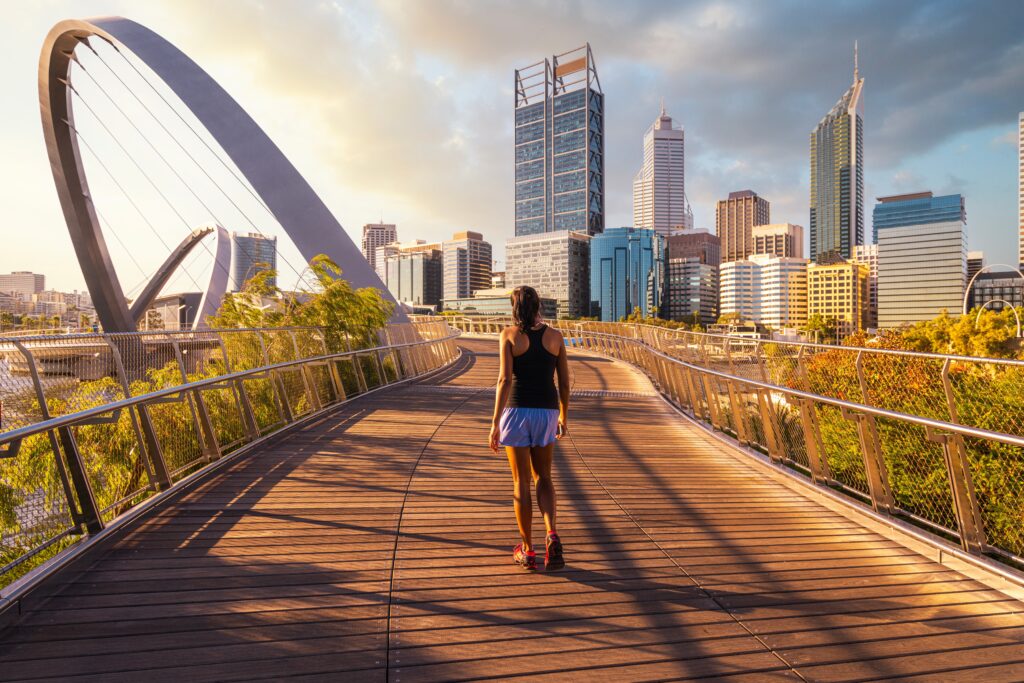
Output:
(375, 545)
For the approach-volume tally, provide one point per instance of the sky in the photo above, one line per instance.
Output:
(402, 111)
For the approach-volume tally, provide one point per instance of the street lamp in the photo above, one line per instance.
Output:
(1000, 301)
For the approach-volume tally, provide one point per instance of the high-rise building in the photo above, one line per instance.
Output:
(765, 289)
(659, 187)
(380, 255)
(922, 267)
(415, 274)
(251, 253)
(917, 208)
(1020, 191)
(867, 255)
(626, 271)
(692, 258)
(839, 291)
(377, 235)
(559, 145)
(22, 284)
(837, 176)
(735, 219)
(556, 265)
(779, 239)
(467, 264)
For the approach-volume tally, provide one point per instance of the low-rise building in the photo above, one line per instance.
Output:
(496, 302)
(765, 289)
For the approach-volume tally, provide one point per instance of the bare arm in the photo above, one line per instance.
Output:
(562, 370)
(503, 388)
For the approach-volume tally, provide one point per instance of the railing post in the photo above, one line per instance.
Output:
(738, 413)
(44, 412)
(874, 466)
(771, 435)
(284, 409)
(307, 380)
(204, 426)
(90, 513)
(252, 429)
(713, 405)
(150, 452)
(961, 479)
(965, 505)
(812, 441)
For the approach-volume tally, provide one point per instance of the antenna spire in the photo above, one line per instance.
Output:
(662, 106)
(856, 69)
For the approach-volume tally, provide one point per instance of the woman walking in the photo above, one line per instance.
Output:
(535, 415)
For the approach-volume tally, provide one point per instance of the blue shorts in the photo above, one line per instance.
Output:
(527, 427)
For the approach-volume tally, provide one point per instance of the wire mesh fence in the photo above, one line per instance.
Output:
(91, 425)
(936, 440)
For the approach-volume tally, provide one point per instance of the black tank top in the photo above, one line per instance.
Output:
(533, 375)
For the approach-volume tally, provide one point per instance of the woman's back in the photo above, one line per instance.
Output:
(533, 374)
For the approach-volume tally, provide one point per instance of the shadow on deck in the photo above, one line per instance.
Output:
(375, 545)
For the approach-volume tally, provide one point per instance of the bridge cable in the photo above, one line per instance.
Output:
(127, 196)
(160, 155)
(192, 158)
(670, 558)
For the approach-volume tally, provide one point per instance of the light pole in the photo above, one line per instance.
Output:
(967, 292)
(1001, 301)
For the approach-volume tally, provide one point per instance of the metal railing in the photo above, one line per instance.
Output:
(93, 425)
(933, 439)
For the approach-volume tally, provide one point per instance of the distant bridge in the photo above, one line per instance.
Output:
(365, 533)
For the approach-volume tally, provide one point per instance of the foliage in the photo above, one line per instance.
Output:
(821, 328)
(729, 318)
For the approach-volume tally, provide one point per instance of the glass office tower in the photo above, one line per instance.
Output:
(837, 177)
(626, 271)
(559, 145)
(904, 210)
(251, 253)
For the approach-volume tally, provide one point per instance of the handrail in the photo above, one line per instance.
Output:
(1009, 439)
(70, 419)
(82, 476)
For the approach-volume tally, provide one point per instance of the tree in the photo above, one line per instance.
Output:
(822, 328)
(729, 318)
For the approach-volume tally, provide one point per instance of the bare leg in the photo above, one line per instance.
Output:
(540, 464)
(519, 462)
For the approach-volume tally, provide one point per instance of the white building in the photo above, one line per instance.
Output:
(377, 235)
(779, 239)
(867, 255)
(922, 270)
(659, 187)
(766, 289)
(556, 264)
(467, 264)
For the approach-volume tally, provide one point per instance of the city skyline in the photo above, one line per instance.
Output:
(956, 151)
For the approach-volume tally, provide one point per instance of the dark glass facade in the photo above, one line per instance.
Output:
(250, 254)
(691, 277)
(837, 179)
(559, 146)
(416, 278)
(626, 271)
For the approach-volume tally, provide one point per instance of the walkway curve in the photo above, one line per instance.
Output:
(375, 545)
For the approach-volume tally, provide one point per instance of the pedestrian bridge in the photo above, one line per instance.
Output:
(372, 541)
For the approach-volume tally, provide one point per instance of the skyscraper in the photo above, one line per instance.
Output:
(625, 272)
(659, 187)
(251, 253)
(735, 219)
(377, 235)
(918, 208)
(559, 145)
(692, 258)
(467, 264)
(779, 239)
(837, 176)
(414, 273)
(922, 267)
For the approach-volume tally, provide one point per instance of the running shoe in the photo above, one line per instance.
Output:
(553, 559)
(526, 560)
